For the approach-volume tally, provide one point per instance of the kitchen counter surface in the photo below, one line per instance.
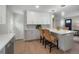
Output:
(61, 31)
(4, 39)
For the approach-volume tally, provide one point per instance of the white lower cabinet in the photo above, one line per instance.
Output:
(31, 34)
(65, 42)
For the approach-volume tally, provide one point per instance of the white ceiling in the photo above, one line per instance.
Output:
(69, 10)
(44, 8)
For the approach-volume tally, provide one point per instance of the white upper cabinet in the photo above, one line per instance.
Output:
(38, 17)
(2, 14)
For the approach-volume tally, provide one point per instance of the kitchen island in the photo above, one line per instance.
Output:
(7, 43)
(65, 38)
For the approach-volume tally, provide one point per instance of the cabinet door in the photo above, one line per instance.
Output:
(32, 34)
(34, 17)
(2, 14)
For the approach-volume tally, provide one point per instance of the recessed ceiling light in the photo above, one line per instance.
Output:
(62, 13)
(37, 6)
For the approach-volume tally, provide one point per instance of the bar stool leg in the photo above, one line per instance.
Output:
(45, 43)
(43, 40)
(50, 48)
(57, 45)
(40, 39)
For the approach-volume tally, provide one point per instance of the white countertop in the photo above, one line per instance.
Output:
(61, 31)
(5, 38)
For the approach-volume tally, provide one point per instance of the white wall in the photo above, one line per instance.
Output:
(8, 26)
(19, 25)
(14, 24)
(10, 19)
(3, 24)
(75, 22)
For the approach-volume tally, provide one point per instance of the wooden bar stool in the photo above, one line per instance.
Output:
(50, 39)
(41, 36)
